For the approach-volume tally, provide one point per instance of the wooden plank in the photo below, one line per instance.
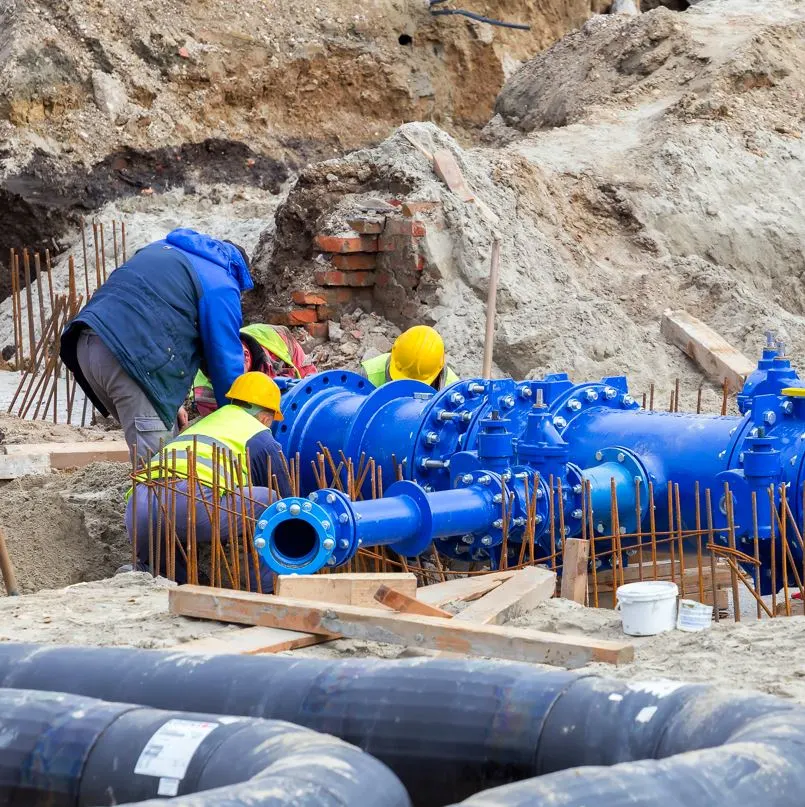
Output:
(370, 624)
(407, 605)
(40, 458)
(461, 588)
(575, 557)
(524, 591)
(344, 589)
(717, 357)
(251, 641)
(446, 167)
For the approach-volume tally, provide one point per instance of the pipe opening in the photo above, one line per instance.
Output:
(295, 540)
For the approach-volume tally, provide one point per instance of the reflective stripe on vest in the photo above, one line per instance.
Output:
(229, 428)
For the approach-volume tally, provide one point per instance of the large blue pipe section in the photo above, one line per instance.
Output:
(493, 734)
(477, 449)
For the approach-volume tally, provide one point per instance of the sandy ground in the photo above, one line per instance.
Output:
(132, 610)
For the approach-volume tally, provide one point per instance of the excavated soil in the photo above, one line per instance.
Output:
(66, 528)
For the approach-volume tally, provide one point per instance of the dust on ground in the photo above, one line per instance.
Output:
(14, 430)
(66, 528)
(130, 609)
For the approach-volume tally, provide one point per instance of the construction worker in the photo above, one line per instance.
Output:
(136, 345)
(417, 354)
(269, 349)
(241, 427)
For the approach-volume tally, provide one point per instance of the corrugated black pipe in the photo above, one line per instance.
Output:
(69, 751)
(449, 729)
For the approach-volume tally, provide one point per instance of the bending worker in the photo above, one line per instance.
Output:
(269, 349)
(417, 354)
(243, 428)
(136, 345)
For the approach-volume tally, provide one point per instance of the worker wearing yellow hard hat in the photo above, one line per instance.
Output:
(237, 435)
(417, 354)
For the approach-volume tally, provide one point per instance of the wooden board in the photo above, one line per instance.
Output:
(522, 592)
(40, 458)
(446, 167)
(631, 574)
(251, 641)
(403, 629)
(461, 589)
(404, 604)
(717, 357)
(344, 589)
(575, 558)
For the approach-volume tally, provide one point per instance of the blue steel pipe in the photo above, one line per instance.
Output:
(301, 536)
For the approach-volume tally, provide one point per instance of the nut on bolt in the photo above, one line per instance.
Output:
(576, 513)
(328, 543)
(507, 401)
(525, 392)
(431, 438)
(485, 479)
(574, 405)
(621, 456)
(498, 523)
(281, 507)
(466, 479)
(486, 540)
(628, 400)
(331, 498)
(262, 524)
(314, 497)
(307, 507)
(769, 418)
(610, 393)
(591, 395)
(259, 543)
(787, 407)
(294, 509)
(559, 422)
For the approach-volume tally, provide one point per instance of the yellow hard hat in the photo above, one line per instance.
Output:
(257, 389)
(418, 354)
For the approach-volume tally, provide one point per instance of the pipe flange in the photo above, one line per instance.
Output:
(442, 432)
(296, 536)
(414, 546)
(294, 400)
(610, 393)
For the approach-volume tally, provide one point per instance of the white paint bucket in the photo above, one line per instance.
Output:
(647, 608)
(694, 616)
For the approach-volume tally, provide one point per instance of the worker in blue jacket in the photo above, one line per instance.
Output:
(136, 346)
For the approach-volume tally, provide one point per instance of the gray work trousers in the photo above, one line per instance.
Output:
(122, 396)
(147, 498)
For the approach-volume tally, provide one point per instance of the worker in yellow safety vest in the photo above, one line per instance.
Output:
(269, 349)
(417, 354)
(230, 435)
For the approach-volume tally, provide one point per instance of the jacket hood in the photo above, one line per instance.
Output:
(211, 249)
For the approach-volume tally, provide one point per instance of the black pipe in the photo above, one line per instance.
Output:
(447, 728)
(451, 728)
(69, 751)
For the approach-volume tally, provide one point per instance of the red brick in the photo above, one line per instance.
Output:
(411, 209)
(360, 279)
(325, 312)
(398, 227)
(308, 298)
(355, 261)
(394, 202)
(420, 262)
(367, 226)
(300, 316)
(346, 243)
(391, 243)
(330, 278)
(318, 330)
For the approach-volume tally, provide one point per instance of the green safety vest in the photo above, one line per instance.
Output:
(377, 372)
(266, 337)
(229, 428)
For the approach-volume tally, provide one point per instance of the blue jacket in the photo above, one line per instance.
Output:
(174, 303)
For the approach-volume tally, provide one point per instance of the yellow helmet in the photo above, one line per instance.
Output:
(418, 354)
(257, 389)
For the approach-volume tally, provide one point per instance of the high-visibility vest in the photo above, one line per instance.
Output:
(377, 371)
(229, 428)
(267, 338)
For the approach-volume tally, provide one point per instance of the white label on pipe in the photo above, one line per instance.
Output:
(169, 751)
(168, 787)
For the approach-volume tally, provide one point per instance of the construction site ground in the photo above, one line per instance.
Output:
(638, 164)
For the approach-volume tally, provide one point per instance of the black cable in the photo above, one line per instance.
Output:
(444, 12)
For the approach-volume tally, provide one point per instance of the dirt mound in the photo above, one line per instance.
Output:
(66, 528)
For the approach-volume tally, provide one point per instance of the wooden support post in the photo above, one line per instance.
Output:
(717, 357)
(404, 629)
(574, 570)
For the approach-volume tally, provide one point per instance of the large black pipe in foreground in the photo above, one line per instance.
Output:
(452, 728)
(69, 751)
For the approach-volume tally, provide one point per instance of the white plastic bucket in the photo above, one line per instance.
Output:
(647, 608)
(694, 616)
